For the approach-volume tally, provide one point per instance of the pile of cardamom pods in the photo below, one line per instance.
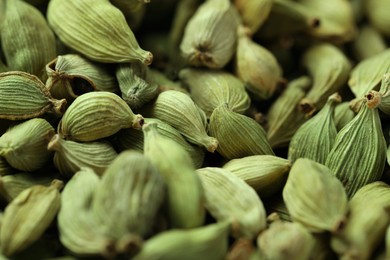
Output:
(195, 129)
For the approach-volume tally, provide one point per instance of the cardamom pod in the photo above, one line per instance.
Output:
(368, 36)
(343, 114)
(284, 117)
(329, 68)
(264, 173)
(179, 110)
(315, 138)
(24, 145)
(253, 12)
(27, 217)
(384, 94)
(105, 38)
(256, 66)
(211, 88)
(238, 135)
(30, 98)
(184, 198)
(128, 196)
(359, 154)
(210, 35)
(377, 15)
(228, 198)
(314, 197)
(206, 242)
(70, 156)
(164, 83)
(96, 115)
(25, 49)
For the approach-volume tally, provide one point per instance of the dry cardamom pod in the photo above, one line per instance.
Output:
(210, 35)
(211, 88)
(384, 94)
(368, 36)
(128, 196)
(378, 16)
(329, 68)
(70, 156)
(359, 154)
(30, 98)
(96, 115)
(314, 197)
(27, 217)
(185, 197)
(133, 10)
(264, 173)
(24, 145)
(179, 110)
(25, 49)
(80, 232)
(286, 240)
(136, 85)
(368, 73)
(365, 229)
(284, 117)
(256, 66)
(72, 75)
(343, 114)
(228, 198)
(206, 242)
(238, 135)
(253, 12)
(104, 38)
(315, 138)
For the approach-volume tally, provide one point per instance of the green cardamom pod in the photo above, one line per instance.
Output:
(224, 197)
(377, 15)
(179, 110)
(96, 115)
(238, 135)
(343, 114)
(264, 173)
(105, 38)
(314, 197)
(70, 156)
(28, 216)
(384, 94)
(29, 99)
(368, 36)
(359, 154)
(315, 138)
(253, 12)
(185, 197)
(24, 145)
(212, 88)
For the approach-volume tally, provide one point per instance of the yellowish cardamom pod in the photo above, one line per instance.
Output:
(103, 38)
(368, 36)
(228, 198)
(315, 197)
(377, 15)
(96, 115)
(253, 12)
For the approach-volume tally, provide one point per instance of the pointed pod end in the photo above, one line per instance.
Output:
(54, 143)
(373, 99)
(212, 144)
(59, 106)
(148, 58)
(138, 122)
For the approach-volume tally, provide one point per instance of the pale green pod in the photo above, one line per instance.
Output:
(185, 198)
(136, 85)
(368, 36)
(256, 66)
(384, 94)
(343, 114)
(359, 154)
(264, 173)
(207, 242)
(179, 110)
(28, 216)
(212, 88)
(105, 38)
(368, 73)
(12, 185)
(24, 145)
(70, 156)
(365, 229)
(29, 99)
(253, 12)
(5, 168)
(78, 228)
(329, 68)
(25, 49)
(129, 196)
(314, 197)
(286, 240)
(228, 198)
(376, 11)
(284, 116)
(96, 115)
(72, 75)
(238, 135)
(127, 139)
(315, 138)
(210, 35)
